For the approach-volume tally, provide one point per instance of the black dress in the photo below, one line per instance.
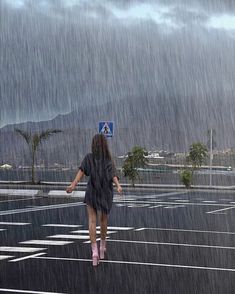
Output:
(99, 191)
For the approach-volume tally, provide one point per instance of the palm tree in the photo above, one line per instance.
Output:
(33, 141)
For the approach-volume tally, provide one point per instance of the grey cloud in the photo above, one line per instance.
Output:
(55, 65)
(182, 12)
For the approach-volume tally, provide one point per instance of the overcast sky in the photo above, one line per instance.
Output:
(56, 55)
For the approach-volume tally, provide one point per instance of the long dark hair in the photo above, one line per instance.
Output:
(99, 147)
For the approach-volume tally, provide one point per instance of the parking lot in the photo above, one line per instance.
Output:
(158, 242)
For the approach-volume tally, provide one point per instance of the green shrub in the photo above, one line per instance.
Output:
(186, 178)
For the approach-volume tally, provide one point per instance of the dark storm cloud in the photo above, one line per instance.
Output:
(58, 54)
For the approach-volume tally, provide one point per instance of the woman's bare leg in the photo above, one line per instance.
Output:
(103, 233)
(92, 232)
(103, 225)
(92, 223)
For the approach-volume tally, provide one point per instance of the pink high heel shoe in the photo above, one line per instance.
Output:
(102, 248)
(95, 255)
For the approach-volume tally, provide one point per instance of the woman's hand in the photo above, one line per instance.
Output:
(119, 189)
(70, 188)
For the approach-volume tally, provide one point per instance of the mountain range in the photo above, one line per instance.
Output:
(162, 122)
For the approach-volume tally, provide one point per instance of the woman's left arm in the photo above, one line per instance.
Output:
(116, 182)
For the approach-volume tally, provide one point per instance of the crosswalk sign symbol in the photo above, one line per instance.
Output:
(106, 128)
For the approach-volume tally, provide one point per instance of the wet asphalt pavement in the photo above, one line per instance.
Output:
(159, 242)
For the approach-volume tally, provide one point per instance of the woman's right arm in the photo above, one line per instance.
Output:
(77, 179)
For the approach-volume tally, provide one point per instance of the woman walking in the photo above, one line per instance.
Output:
(99, 167)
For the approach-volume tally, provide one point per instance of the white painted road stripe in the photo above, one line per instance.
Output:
(46, 242)
(97, 239)
(175, 206)
(2, 257)
(62, 225)
(87, 232)
(126, 198)
(19, 192)
(20, 249)
(14, 224)
(26, 257)
(182, 230)
(64, 193)
(17, 200)
(129, 202)
(143, 263)
(151, 196)
(81, 232)
(171, 244)
(137, 205)
(27, 291)
(118, 228)
(164, 194)
(2, 230)
(78, 237)
(209, 201)
(39, 208)
(155, 206)
(219, 210)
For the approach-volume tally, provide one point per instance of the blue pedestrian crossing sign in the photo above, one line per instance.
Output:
(106, 128)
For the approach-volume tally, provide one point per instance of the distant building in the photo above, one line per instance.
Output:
(154, 155)
(6, 166)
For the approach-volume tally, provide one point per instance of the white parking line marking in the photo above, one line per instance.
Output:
(27, 257)
(64, 193)
(156, 206)
(172, 244)
(46, 242)
(143, 263)
(175, 206)
(27, 291)
(220, 213)
(118, 228)
(97, 239)
(138, 205)
(62, 225)
(126, 198)
(173, 203)
(208, 201)
(20, 249)
(74, 237)
(182, 200)
(14, 224)
(2, 230)
(2, 257)
(182, 230)
(39, 208)
(87, 232)
(17, 200)
(80, 232)
(219, 210)
(19, 192)
(165, 194)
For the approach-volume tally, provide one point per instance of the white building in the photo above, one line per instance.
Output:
(6, 166)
